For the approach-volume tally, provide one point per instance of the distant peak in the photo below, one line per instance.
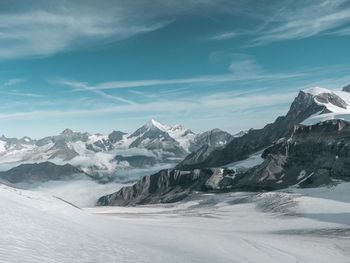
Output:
(154, 123)
(67, 132)
(346, 88)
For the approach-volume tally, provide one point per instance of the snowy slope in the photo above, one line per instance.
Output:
(238, 227)
(336, 103)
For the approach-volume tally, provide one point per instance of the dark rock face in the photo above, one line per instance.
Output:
(152, 138)
(137, 161)
(310, 157)
(254, 140)
(166, 186)
(39, 172)
(63, 151)
(331, 98)
(115, 136)
(214, 139)
(346, 88)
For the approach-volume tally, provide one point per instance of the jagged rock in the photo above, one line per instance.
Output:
(166, 186)
(152, 137)
(115, 136)
(213, 139)
(254, 140)
(310, 157)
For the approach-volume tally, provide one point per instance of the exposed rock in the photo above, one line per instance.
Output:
(151, 137)
(332, 99)
(214, 139)
(310, 157)
(346, 88)
(254, 140)
(137, 161)
(39, 172)
(166, 186)
(115, 136)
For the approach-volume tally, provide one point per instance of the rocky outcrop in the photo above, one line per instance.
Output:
(167, 186)
(254, 140)
(137, 161)
(152, 137)
(312, 156)
(346, 88)
(213, 139)
(39, 172)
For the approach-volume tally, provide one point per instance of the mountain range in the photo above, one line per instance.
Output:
(151, 144)
(308, 147)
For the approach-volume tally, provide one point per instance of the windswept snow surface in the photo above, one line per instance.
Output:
(295, 226)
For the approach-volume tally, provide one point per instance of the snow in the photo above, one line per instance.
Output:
(316, 91)
(96, 137)
(2, 147)
(335, 112)
(253, 160)
(178, 132)
(295, 226)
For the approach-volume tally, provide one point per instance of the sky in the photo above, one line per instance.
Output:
(99, 66)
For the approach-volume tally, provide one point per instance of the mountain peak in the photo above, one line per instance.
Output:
(67, 132)
(154, 123)
(316, 91)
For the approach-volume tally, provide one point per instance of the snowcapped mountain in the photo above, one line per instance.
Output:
(150, 144)
(309, 107)
(335, 104)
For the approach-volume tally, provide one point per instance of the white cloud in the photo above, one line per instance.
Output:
(208, 103)
(303, 19)
(13, 82)
(83, 86)
(41, 28)
(224, 36)
(41, 32)
(22, 94)
(230, 77)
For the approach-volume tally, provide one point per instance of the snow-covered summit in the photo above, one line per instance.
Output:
(316, 90)
(165, 142)
(335, 103)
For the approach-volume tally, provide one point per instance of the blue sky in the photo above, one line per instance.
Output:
(101, 65)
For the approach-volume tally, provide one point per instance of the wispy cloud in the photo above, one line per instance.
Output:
(230, 77)
(304, 19)
(224, 36)
(22, 94)
(13, 82)
(83, 86)
(41, 28)
(60, 26)
(207, 103)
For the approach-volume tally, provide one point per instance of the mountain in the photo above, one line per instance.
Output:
(166, 186)
(310, 106)
(40, 172)
(157, 137)
(215, 138)
(311, 156)
(104, 154)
